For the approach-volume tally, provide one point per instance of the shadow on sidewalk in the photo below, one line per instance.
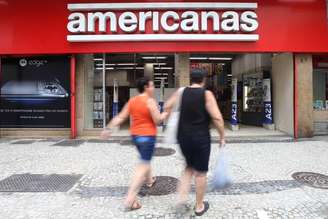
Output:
(262, 187)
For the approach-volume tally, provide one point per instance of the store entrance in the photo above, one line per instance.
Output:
(241, 84)
(237, 80)
(116, 75)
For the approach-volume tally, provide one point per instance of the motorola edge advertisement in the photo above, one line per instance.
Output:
(35, 92)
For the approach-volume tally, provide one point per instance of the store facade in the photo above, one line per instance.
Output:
(68, 66)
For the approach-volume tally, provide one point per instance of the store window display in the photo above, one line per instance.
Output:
(255, 93)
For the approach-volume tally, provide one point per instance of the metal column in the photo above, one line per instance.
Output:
(234, 105)
(115, 98)
(104, 89)
(73, 98)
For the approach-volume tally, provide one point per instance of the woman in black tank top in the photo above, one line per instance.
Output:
(198, 108)
(194, 118)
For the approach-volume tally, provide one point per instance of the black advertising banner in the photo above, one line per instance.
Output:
(35, 92)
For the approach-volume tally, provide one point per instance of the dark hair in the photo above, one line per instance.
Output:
(197, 76)
(141, 83)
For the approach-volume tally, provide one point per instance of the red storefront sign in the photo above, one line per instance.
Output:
(67, 26)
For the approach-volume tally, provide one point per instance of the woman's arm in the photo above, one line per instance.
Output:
(214, 111)
(169, 104)
(116, 121)
(157, 116)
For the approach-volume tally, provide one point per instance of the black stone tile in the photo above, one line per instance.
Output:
(164, 185)
(23, 142)
(315, 180)
(103, 141)
(70, 143)
(39, 183)
(51, 140)
(161, 152)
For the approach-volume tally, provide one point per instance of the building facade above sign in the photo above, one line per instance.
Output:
(188, 21)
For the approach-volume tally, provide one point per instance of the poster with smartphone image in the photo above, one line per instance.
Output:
(35, 92)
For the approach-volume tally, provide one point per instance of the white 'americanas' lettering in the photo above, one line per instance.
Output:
(169, 21)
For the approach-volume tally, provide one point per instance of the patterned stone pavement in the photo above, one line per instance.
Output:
(262, 172)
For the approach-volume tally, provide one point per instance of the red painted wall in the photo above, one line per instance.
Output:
(39, 27)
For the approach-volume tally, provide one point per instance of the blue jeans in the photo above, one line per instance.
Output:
(145, 146)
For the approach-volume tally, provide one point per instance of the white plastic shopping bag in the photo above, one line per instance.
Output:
(221, 177)
(171, 130)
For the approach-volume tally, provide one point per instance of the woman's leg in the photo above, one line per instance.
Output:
(141, 171)
(201, 161)
(149, 179)
(201, 182)
(184, 185)
(145, 146)
(185, 180)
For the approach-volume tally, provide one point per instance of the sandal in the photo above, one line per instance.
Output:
(149, 185)
(134, 206)
(206, 207)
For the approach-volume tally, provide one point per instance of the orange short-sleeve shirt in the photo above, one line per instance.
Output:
(141, 120)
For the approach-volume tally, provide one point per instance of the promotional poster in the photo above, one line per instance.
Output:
(35, 92)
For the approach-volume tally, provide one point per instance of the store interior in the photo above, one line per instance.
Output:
(121, 71)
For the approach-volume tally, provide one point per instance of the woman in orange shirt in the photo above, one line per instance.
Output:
(145, 115)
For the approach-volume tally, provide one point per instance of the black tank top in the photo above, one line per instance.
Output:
(194, 118)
